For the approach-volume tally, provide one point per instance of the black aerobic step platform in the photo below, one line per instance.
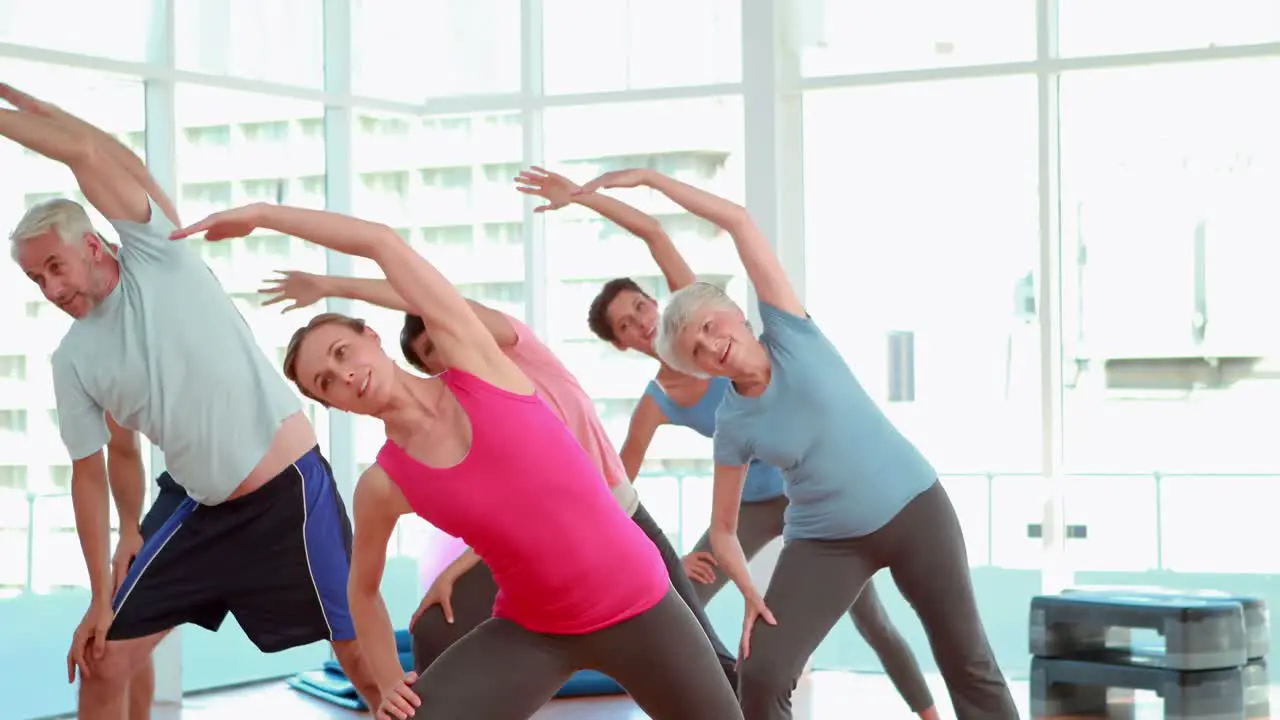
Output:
(1199, 633)
(1076, 688)
(1257, 618)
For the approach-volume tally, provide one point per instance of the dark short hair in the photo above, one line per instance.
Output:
(412, 329)
(598, 315)
(295, 342)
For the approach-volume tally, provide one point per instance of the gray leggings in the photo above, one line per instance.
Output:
(817, 580)
(758, 524)
(474, 592)
(501, 671)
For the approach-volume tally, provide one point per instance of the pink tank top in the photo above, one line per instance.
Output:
(528, 499)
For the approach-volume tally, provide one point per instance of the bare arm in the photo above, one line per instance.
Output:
(462, 565)
(674, 268)
(725, 501)
(112, 147)
(106, 184)
(125, 476)
(133, 165)
(89, 501)
(644, 423)
(380, 293)
(758, 258)
(459, 335)
(378, 505)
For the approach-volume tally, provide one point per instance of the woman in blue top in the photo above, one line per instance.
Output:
(625, 316)
(862, 496)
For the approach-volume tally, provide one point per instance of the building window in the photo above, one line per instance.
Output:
(31, 200)
(60, 478)
(272, 246)
(267, 190)
(13, 477)
(384, 126)
(13, 367)
(14, 421)
(313, 191)
(501, 174)
(266, 132)
(447, 124)
(215, 193)
(503, 233)
(212, 136)
(312, 128)
(494, 293)
(135, 141)
(449, 236)
(450, 178)
(394, 185)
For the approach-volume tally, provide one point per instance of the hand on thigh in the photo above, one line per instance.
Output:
(813, 586)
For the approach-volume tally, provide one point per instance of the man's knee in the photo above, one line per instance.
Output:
(121, 661)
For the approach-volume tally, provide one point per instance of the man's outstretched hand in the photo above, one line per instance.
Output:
(27, 103)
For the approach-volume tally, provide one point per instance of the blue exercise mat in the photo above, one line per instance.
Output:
(330, 687)
(589, 683)
(331, 684)
(332, 666)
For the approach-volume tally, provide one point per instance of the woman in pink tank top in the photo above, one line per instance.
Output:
(477, 453)
(459, 583)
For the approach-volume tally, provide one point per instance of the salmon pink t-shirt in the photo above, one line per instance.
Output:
(571, 403)
(528, 499)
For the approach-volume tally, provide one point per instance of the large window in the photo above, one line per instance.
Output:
(842, 37)
(922, 235)
(118, 30)
(1169, 227)
(236, 148)
(1099, 27)
(413, 50)
(279, 41)
(603, 45)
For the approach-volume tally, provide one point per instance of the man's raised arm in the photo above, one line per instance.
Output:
(107, 184)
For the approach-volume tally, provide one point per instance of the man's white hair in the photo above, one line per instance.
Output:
(65, 217)
(685, 305)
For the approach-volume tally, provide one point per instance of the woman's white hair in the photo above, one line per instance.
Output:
(65, 217)
(685, 305)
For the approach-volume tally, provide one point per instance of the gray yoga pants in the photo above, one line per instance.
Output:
(501, 671)
(474, 593)
(816, 582)
(758, 524)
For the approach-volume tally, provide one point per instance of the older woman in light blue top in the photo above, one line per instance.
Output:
(862, 497)
(624, 315)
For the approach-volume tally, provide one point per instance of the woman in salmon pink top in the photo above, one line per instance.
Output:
(478, 454)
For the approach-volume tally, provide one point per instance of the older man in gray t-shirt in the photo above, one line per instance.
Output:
(156, 342)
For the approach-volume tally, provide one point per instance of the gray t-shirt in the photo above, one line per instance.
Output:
(168, 354)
